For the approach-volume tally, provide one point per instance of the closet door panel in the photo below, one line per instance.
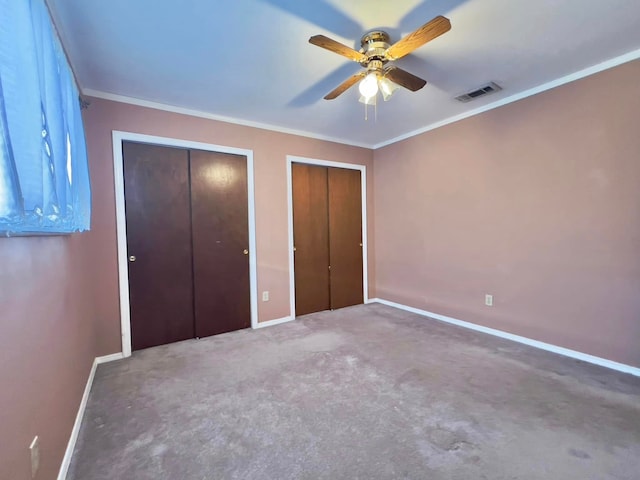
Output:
(345, 237)
(220, 226)
(310, 238)
(158, 244)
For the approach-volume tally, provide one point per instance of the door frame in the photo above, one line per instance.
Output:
(121, 226)
(363, 179)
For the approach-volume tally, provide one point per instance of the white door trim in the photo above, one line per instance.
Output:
(121, 225)
(363, 178)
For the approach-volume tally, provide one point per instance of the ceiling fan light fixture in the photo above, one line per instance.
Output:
(387, 88)
(367, 100)
(369, 85)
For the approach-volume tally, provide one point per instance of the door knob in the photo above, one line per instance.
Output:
(245, 251)
(132, 258)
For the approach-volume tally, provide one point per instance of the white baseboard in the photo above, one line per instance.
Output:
(277, 321)
(585, 357)
(109, 358)
(66, 460)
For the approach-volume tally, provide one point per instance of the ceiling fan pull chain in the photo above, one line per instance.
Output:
(375, 108)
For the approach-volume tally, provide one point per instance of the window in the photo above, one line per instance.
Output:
(44, 176)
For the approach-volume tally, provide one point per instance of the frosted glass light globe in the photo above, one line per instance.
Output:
(369, 85)
(387, 87)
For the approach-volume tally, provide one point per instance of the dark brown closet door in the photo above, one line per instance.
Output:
(310, 238)
(158, 244)
(345, 237)
(220, 242)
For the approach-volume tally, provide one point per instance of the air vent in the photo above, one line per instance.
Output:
(480, 92)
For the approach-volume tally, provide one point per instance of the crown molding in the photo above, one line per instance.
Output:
(220, 118)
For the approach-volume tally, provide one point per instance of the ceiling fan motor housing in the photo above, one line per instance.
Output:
(374, 46)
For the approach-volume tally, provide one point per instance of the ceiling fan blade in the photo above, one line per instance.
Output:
(344, 86)
(337, 47)
(404, 79)
(424, 34)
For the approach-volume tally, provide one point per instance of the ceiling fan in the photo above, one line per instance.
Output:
(376, 53)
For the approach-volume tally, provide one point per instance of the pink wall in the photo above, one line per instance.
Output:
(537, 203)
(51, 302)
(270, 151)
(47, 340)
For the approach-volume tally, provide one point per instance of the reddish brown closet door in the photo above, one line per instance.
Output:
(219, 209)
(158, 244)
(311, 238)
(345, 237)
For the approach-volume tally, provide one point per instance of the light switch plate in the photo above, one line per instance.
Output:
(34, 449)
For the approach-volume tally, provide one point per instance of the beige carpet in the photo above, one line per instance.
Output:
(367, 392)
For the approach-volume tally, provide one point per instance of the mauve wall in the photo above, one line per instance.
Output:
(270, 150)
(537, 203)
(47, 342)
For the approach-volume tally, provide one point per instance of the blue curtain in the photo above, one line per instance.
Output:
(44, 176)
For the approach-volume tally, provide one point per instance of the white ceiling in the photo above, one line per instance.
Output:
(250, 60)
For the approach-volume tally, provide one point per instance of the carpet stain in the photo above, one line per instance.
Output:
(410, 376)
(159, 450)
(142, 441)
(320, 342)
(449, 441)
(579, 453)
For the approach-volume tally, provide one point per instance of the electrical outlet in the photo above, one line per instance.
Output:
(34, 449)
(265, 296)
(488, 300)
